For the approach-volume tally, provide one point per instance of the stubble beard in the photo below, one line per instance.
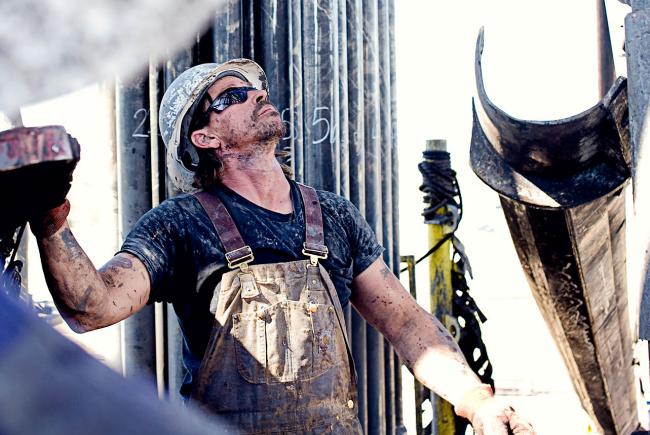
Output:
(269, 127)
(266, 131)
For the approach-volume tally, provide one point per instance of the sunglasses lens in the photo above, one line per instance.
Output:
(230, 97)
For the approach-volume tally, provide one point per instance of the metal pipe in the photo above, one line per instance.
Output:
(157, 194)
(273, 50)
(441, 294)
(249, 21)
(174, 348)
(375, 341)
(385, 131)
(356, 103)
(173, 340)
(606, 67)
(389, 386)
(295, 115)
(134, 192)
(343, 124)
(227, 31)
(359, 346)
(356, 155)
(386, 188)
(399, 420)
(320, 85)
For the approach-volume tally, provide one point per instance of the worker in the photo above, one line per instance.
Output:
(258, 268)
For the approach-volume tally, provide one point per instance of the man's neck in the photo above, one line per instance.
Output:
(260, 179)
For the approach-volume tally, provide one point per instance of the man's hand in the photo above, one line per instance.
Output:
(489, 416)
(36, 165)
(46, 146)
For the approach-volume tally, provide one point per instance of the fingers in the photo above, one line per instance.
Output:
(496, 419)
(491, 419)
(518, 426)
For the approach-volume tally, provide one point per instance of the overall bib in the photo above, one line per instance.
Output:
(278, 359)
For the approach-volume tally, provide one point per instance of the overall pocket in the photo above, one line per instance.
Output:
(286, 342)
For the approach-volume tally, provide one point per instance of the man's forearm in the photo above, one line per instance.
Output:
(89, 298)
(422, 342)
(430, 352)
(434, 358)
(76, 286)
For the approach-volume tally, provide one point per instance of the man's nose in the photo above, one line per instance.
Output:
(261, 95)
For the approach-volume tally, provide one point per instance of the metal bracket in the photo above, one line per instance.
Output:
(240, 258)
(315, 254)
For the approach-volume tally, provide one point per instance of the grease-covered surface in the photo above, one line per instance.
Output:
(561, 184)
(558, 163)
(575, 264)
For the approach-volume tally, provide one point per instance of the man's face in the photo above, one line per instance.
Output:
(253, 121)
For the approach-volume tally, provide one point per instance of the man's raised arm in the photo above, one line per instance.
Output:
(429, 351)
(88, 298)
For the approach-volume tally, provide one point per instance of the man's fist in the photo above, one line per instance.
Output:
(489, 416)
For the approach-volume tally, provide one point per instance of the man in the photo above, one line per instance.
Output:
(258, 268)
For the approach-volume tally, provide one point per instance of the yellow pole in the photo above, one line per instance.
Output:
(441, 296)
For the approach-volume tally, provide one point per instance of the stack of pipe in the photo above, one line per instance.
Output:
(331, 71)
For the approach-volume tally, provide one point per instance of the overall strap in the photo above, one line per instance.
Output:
(238, 253)
(314, 246)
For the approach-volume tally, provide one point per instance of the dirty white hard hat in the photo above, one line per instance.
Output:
(179, 104)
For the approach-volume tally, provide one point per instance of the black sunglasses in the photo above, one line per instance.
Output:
(228, 98)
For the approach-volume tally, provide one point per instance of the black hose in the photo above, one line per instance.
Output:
(441, 189)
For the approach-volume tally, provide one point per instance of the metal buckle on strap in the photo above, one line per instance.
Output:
(240, 257)
(315, 252)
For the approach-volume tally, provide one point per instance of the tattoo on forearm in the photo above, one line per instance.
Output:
(117, 263)
(386, 273)
(114, 266)
(71, 245)
(121, 262)
(83, 302)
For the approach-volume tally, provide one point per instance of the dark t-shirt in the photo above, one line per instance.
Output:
(185, 259)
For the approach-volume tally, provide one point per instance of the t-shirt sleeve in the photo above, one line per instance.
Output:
(154, 240)
(364, 246)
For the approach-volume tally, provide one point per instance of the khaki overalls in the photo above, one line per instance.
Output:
(278, 360)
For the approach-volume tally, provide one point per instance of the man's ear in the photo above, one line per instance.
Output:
(203, 139)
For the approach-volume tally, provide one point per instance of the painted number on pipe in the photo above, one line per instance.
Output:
(316, 120)
(291, 130)
(139, 131)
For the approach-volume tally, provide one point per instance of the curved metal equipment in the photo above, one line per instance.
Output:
(26, 159)
(560, 184)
